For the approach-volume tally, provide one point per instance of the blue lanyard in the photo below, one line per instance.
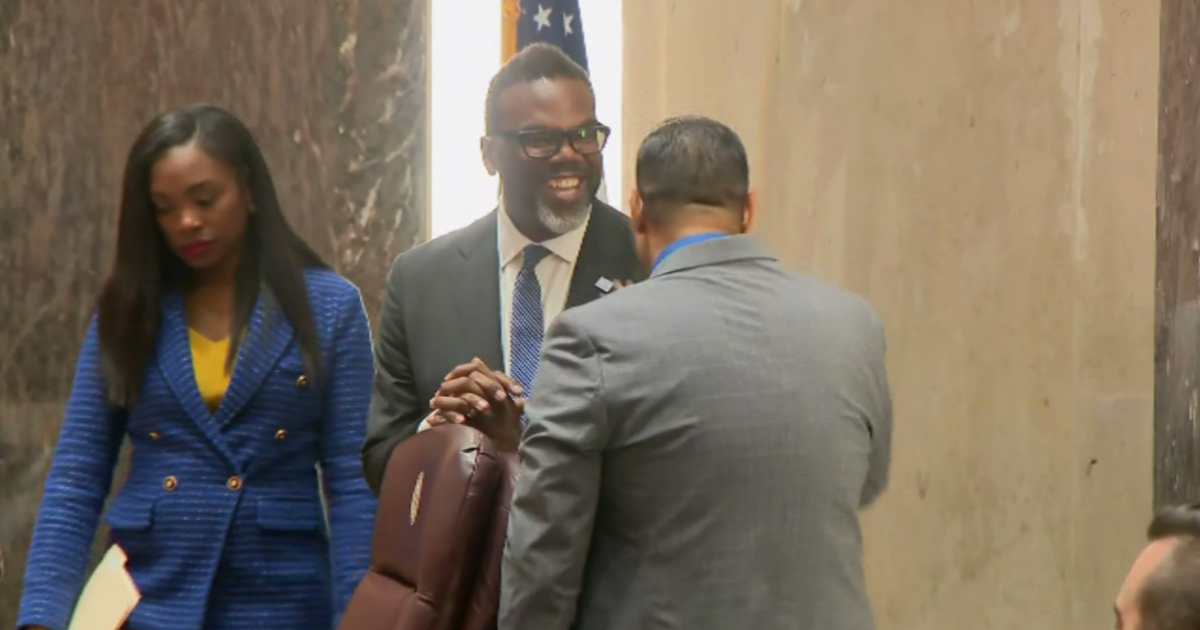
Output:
(684, 242)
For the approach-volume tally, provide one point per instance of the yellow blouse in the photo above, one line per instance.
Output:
(208, 362)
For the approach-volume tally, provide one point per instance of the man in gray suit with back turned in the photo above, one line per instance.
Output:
(699, 445)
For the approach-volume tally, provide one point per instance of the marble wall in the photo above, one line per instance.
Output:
(983, 172)
(335, 91)
(1177, 330)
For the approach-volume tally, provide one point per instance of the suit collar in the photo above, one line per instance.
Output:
(478, 238)
(267, 336)
(605, 253)
(476, 281)
(712, 252)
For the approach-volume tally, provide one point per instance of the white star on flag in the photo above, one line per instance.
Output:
(567, 19)
(543, 17)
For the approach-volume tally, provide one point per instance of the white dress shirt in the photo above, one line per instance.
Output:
(554, 275)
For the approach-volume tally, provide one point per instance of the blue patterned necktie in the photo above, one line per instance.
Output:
(527, 324)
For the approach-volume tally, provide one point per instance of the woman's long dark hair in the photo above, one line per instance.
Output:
(146, 270)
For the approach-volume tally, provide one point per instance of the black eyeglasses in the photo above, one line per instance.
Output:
(543, 144)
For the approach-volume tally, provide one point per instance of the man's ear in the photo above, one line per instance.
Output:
(749, 213)
(636, 212)
(486, 147)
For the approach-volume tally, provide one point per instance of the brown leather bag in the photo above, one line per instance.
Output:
(439, 536)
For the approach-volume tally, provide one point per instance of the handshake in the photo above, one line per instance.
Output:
(487, 400)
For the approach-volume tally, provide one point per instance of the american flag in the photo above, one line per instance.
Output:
(555, 22)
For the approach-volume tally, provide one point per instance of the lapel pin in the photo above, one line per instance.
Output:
(605, 285)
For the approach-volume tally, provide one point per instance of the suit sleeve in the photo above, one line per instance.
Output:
(878, 407)
(554, 504)
(351, 504)
(78, 482)
(395, 413)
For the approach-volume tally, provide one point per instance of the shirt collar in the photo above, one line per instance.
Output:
(511, 242)
(684, 242)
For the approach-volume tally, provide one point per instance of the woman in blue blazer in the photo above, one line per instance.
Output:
(239, 366)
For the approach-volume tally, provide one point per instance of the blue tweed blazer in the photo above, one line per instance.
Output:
(222, 515)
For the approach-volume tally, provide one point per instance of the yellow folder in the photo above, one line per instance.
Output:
(108, 597)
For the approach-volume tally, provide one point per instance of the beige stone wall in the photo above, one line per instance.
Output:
(984, 172)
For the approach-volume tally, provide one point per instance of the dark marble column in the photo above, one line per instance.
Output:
(335, 92)
(1177, 316)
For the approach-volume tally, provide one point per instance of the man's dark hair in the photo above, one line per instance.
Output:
(534, 62)
(692, 160)
(1170, 599)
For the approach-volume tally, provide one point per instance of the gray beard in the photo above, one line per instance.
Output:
(559, 224)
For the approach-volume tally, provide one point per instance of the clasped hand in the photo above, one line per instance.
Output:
(486, 400)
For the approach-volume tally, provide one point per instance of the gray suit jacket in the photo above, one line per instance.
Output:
(698, 450)
(442, 308)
